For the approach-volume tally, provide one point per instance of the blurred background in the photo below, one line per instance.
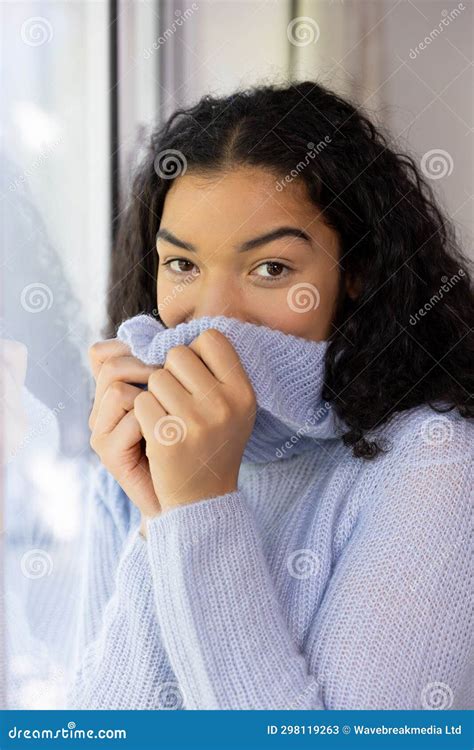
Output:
(82, 82)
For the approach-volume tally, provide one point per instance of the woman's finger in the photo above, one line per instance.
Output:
(126, 432)
(219, 356)
(127, 369)
(117, 401)
(101, 351)
(188, 368)
(155, 422)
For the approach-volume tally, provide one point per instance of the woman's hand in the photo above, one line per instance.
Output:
(116, 436)
(196, 417)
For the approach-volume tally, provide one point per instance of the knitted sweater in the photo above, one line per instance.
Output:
(324, 581)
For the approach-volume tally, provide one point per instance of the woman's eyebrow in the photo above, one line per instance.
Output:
(165, 234)
(276, 234)
(263, 239)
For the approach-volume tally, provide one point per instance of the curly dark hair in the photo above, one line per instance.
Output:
(406, 339)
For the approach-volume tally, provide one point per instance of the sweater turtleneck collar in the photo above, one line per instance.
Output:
(286, 372)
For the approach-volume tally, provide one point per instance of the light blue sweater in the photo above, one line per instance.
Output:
(324, 582)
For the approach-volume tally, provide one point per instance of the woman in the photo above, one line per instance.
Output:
(285, 432)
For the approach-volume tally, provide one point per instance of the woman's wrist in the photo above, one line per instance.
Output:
(143, 527)
(143, 522)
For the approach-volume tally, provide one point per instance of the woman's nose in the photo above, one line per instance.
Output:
(219, 299)
(212, 310)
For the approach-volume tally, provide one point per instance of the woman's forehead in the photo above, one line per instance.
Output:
(245, 197)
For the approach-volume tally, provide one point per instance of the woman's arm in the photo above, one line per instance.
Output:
(120, 662)
(392, 629)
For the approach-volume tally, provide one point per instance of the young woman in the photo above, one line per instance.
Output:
(284, 423)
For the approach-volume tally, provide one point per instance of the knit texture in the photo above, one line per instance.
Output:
(289, 400)
(323, 582)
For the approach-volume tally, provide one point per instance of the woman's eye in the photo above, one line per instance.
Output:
(180, 262)
(274, 270)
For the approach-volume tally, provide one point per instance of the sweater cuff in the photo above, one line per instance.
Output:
(196, 517)
(118, 660)
(220, 619)
(181, 543)
(134, 554)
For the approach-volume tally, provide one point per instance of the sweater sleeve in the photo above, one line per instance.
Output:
(120, 661)
(221, 623)
(391, 630)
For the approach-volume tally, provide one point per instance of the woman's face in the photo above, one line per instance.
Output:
(217, 255)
